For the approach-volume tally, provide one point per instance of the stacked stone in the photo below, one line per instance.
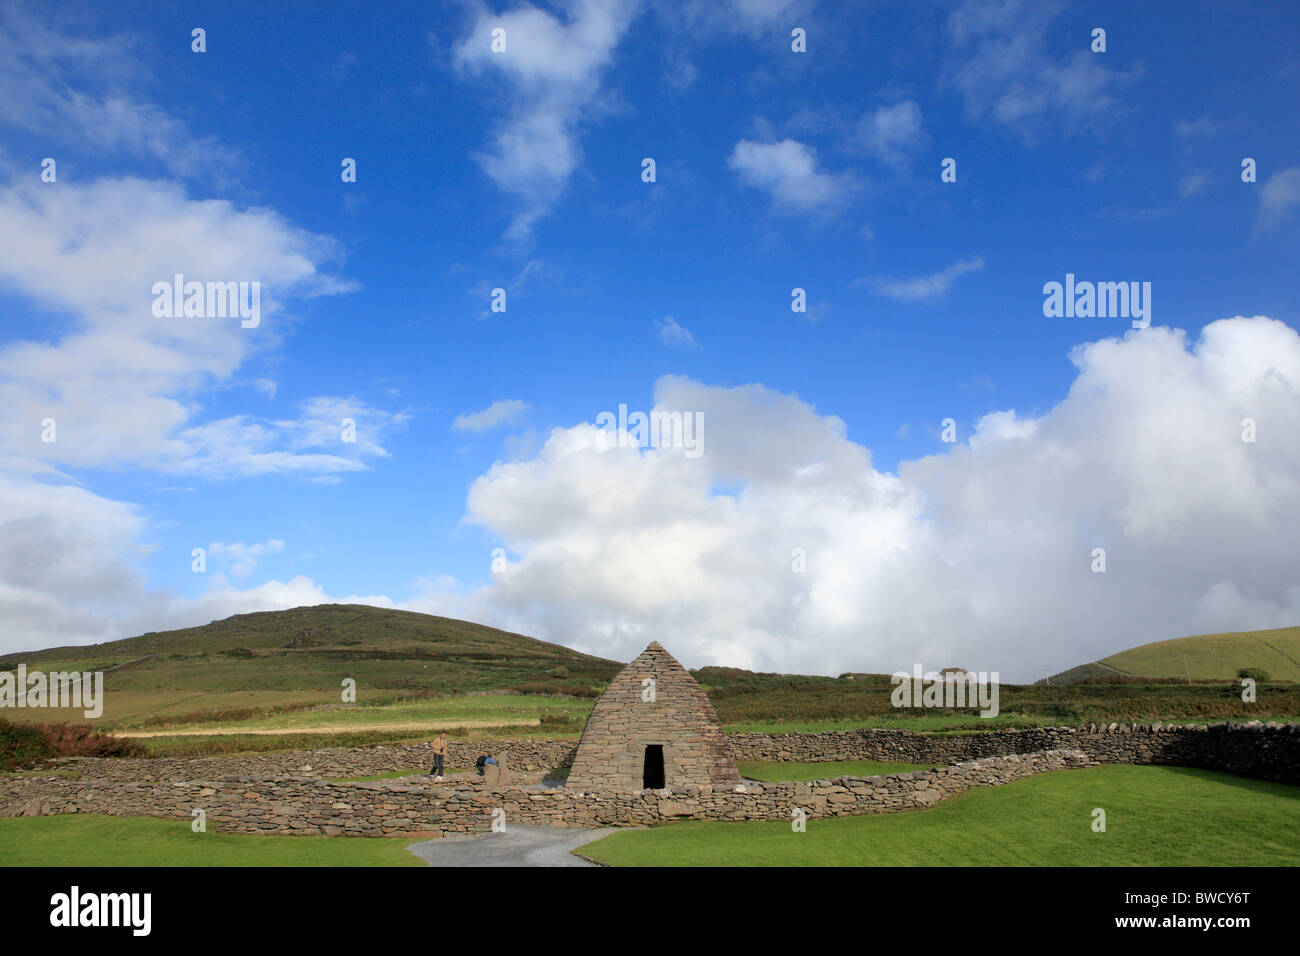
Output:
(680, 718)
(526, 754)
(309, 806)
(1266, 751)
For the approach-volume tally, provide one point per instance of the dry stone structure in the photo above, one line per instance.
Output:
(270, 793)
(653, 728)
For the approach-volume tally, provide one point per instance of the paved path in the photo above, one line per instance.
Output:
(517, 846)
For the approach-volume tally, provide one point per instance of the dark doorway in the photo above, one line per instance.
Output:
(652, 778)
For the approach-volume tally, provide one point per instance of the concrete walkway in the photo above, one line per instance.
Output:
(517, 846)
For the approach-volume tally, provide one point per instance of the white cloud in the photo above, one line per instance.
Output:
(892, 134)
(239, 558)
(923, 288)
(756, 18)
(675, 335)
(123, 386)
(1001, 65)
(499, 413)
(83, 93)
(552, 68)
(1194, 183)
(788, 170)
(978, 556)
(1202, 126)
(1278, 196)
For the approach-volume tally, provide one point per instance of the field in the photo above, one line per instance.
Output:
(281, 661)
(271, 681)
(782, 703)
(1155, 816)
(1204, 657)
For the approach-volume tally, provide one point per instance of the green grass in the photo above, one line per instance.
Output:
(776, 770)
(284, 660)
(1208, 657)
(897, 720)
(1155, 816)
(434, 714)
(92, 840)
(415, 673)
(236, 745)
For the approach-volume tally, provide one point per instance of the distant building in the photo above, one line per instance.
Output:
(653, 727)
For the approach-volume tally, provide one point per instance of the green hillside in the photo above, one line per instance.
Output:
(1208, 657)
(286, 660)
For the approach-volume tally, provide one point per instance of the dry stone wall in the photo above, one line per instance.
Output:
(677, 717)
(272, 793)
(309, 806)
(523, 754)
(1266, 751)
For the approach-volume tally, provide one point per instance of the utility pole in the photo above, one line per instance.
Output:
(1188, 669)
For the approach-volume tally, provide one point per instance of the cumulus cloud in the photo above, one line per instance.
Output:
(499, 413)
(978, 556)
(552, 69)
(122, 385)
(70, 572)
(98, 382)
(788, 170)
(923, 288)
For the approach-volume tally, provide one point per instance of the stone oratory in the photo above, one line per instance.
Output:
(653, 727)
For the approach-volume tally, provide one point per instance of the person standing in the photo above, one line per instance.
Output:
(439, 756)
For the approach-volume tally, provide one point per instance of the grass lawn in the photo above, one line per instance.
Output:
(775, 770)
(1155, 816)
(912, 721)
(434, 713)
(93, 840)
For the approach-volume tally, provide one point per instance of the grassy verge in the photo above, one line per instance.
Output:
(92, 840)
(1155, 816)
(957, 723)
(928, 721)
(244, 744)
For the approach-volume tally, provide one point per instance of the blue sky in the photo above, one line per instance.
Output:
(775, 170)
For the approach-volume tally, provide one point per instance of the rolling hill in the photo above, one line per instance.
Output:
(297, 658)
(1208, 657)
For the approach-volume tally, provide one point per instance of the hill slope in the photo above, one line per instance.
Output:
(1209, 657)
(300, 656)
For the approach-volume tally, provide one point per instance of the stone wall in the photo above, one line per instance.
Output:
(1268, 752)
(273, 793)
(310, 806)
(679, 720)
(523, 754)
